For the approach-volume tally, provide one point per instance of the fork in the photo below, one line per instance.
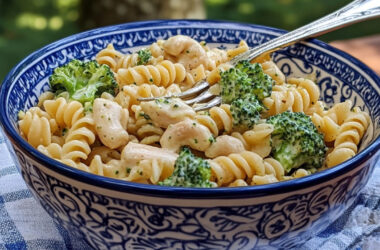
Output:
(356, 11)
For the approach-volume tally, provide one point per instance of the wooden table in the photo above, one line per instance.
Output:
(366, 49)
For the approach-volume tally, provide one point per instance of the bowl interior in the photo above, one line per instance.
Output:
(339, 76)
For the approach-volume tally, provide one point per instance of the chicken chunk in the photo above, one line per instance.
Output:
(133, 153)
(111, 123)
(224, 145)
(187, 132)
(164, 112)
(186, 51)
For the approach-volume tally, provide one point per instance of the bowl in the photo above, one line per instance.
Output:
(109, 213)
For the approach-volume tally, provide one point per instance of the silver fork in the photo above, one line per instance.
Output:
(356, 11)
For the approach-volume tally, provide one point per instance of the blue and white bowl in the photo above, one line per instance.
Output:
(112, 213)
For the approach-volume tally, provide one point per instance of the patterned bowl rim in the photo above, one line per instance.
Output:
(176, 192)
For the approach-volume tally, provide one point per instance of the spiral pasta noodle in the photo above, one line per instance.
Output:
(327, 126)
(113, 168)
(78, 140)
(143, 128)
(65, 113)
(271, 69)
(117, 60)
(150, 171)
(164, 74)
(219, 119)
(245, 166)
(106, 154)
(52, 150)
(349, 136)
(257, 139)
(130, 93)
(194, 76)
(241, 48)
(109, 56)
(156, 49)
(35, 127)
(300, 96)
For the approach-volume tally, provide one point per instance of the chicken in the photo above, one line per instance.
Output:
(133, 153)
(187, 132)
(111, 123)
(164, 112)
(224, 145)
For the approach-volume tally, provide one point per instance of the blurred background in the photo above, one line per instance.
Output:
(26, 25)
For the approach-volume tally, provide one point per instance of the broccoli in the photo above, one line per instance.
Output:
(296, 141)
(244, 87)
(245, 112)
(245, 79)
(143, 56)
(261, 83)
(83, 81)
(189, 171)
(234, 84)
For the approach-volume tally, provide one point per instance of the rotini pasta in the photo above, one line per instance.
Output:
(35, 127)
(300, 96)
(106, 154)
(271, 69)
(245, 166)
(117, 60)
(143, 128)
(257, 140)
(65, 113)
(150, 171)
(119, 136)
(130, 93)
(78, 140)
(349, 136)
(219, 119)
(164, 74)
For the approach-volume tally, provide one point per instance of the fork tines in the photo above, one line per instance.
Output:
(196, 95)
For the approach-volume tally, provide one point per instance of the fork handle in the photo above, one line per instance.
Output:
(356, 11)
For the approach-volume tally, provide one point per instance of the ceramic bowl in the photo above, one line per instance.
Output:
(112, 213)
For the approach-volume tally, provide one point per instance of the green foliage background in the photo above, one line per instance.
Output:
(26, 25)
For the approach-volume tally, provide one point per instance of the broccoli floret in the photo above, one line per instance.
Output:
(234, 84)
(83, 81)
(189, 171)
(245, 79)
(143, 56)
(296, 141)
(245, 112)
(244, 87)
(261, 83)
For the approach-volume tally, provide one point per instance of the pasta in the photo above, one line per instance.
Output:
(349, 136)
(150, 171)
(78, 140)
(301, 95)
(130, 93)
(257, 140)
(116, 60)
(65, 113)
(145, 130)
(163, 74)
(219, 119)
(35, 126)
(119, 136)
(245, 165)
